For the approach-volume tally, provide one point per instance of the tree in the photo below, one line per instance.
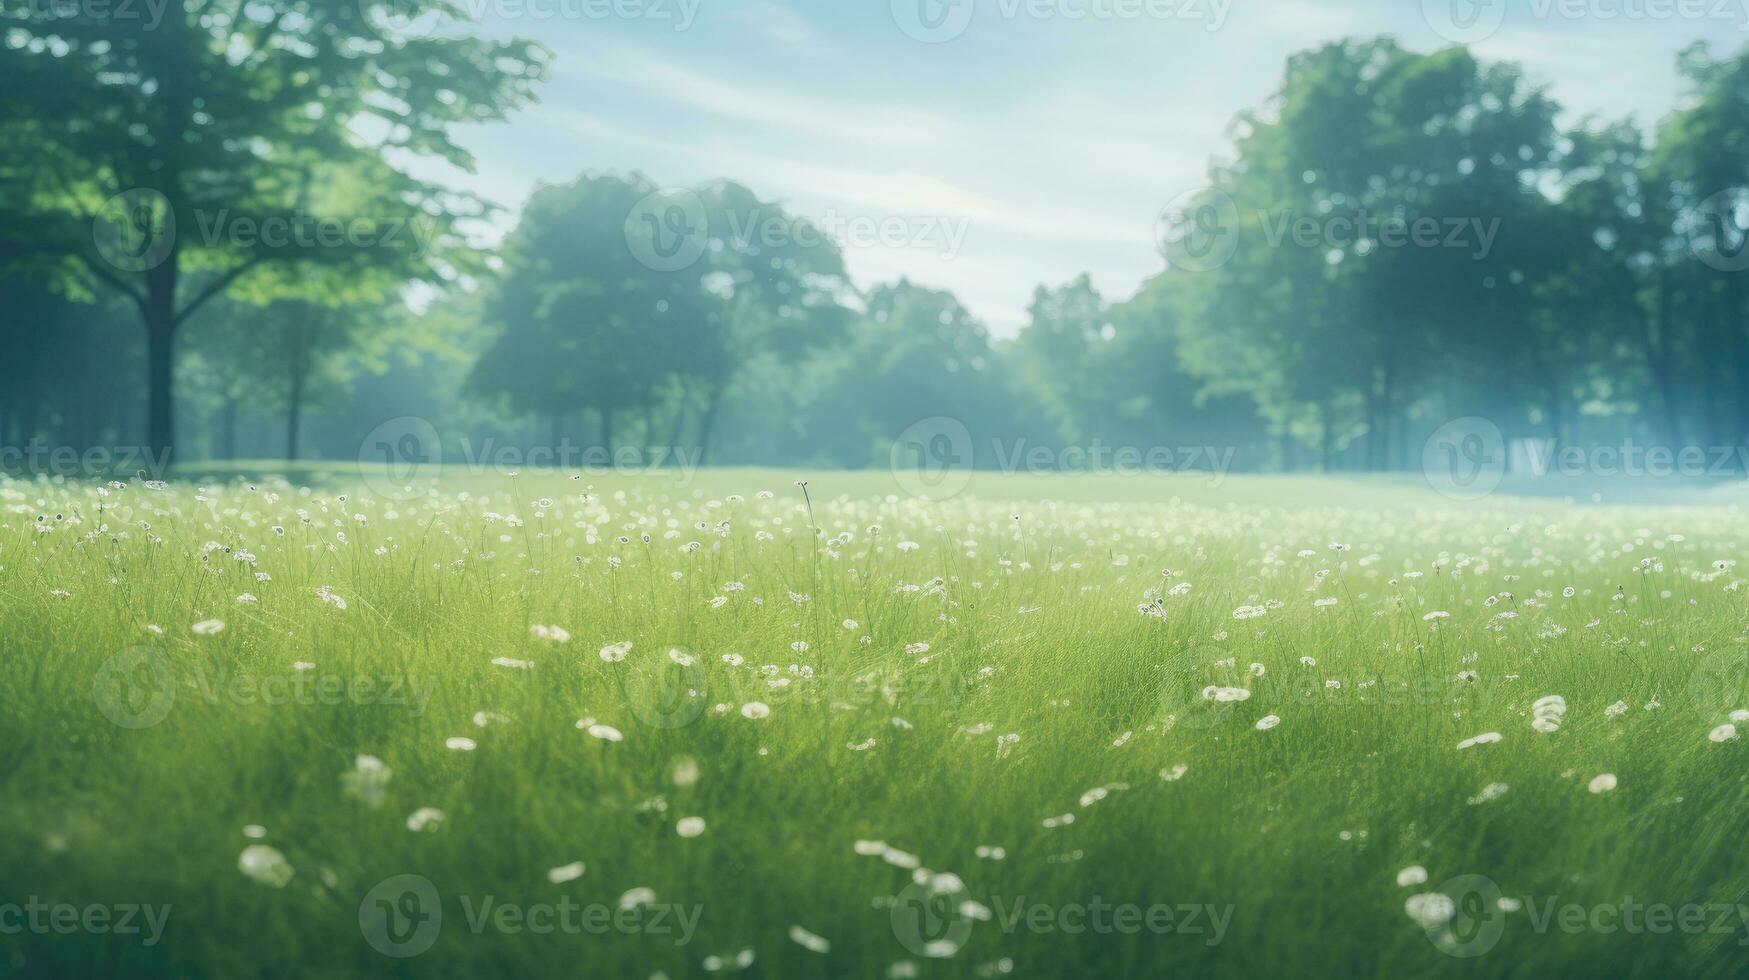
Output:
(1329, 310)
(615, 295)
(1065, 335)
(584, 325)
(784, 291)
(190, 146)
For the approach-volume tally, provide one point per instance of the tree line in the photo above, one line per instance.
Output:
(214, 241)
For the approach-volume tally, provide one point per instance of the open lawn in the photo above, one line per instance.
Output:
(630, 727)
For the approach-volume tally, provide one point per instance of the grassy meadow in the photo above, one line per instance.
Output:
(517, 724)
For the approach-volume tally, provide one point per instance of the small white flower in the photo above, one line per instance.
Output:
(809, 941)
(635, 897)
(607, 733)
(565, 872)
(265, 865)
(1430, 909)
(1602, 783)
(689, 826)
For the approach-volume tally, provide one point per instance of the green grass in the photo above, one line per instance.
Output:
(1026, 591)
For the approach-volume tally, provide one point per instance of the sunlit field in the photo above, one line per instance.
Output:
(343, 726)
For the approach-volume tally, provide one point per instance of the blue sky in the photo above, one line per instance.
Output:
(1049, 141)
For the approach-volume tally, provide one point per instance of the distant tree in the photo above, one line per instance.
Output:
(584, 325)
(190, 145)
(1332, 326)
(784, 291)
(1059, 352)
(616, 295)
(918, 353)
(1698, 177)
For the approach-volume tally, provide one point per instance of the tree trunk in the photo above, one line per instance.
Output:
(160, 378)
(678, 422)
(294, 403)
(228, 429)
(1655, 332)
(708, 421)
(1326, 439)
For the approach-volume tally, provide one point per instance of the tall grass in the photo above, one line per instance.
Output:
(1062, 688)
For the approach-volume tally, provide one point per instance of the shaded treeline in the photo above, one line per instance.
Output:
(1393, 241)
